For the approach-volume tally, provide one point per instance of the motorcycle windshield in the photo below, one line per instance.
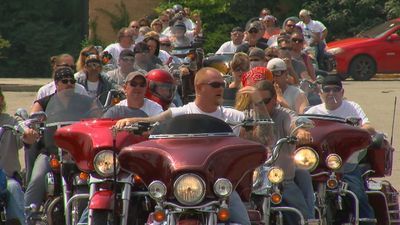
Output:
(67, 107)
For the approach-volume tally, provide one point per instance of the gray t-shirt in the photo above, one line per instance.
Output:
(283, 118)
(290, 94)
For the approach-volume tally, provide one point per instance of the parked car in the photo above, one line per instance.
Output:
(376, 50)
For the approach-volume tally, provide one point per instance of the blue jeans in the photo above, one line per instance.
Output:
(356, 185)
(304, 182)
(237, 210)
(15, 201)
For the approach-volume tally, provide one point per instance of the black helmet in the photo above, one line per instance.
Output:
(177, 8)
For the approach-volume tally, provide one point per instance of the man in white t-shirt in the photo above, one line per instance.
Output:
(209, 86)
(135, 89)
(237, 35)
(314, 31)
(125, 41)
(334, 105)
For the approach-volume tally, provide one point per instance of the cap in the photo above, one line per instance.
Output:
(179, 25)
(126, 52)
(332, 80)
(92, 58)
(141, 47)
(134, 74)
(257, 53)
(245, 47)
(276, 64)
(63, 72)
(237, 29)
(255, 25)
(255, 75)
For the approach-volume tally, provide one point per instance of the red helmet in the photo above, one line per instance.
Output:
(161, 87)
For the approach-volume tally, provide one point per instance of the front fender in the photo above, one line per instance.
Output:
(102, 200)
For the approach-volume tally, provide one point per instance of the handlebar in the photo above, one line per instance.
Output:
(135, 128)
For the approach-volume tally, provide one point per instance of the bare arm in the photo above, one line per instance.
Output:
(153, 119)
(324, 34)
(369, 128)
(301, 103)
(36, 107)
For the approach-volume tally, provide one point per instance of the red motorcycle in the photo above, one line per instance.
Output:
(190, 166)
(115, 196)
(336, 141)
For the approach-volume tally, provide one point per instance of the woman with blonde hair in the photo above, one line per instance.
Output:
(85, 52)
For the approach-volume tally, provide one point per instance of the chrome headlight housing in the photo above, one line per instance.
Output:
(333, 161)
(157, 190)
(223, 187)
(104, 163)
(189, 189)
(275, 175)
(306, 158)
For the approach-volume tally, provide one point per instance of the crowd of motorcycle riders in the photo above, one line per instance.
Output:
(160, 68)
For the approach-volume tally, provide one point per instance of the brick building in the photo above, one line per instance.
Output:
(136, 9)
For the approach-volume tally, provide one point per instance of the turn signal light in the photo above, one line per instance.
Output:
(276, 198)
(159, 216)
(223, 214)
(54, 164)
(83, 176)
(115, 101)
(332, 183)
(137, 179)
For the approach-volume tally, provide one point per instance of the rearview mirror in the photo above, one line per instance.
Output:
(393, 37)
(22, 113)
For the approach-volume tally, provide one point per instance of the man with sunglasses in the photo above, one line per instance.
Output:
(209, 87)
(229, 47)
(334, 105)
(125, 66)
(254, 35)
(288, 96)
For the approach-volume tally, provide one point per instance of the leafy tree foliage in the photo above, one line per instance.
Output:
(37, 30)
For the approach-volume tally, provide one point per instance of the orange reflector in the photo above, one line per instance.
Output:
(332, 183)
(54, 164)
(223, 214)
(83, 176)
(115, 101)
(159, 216)
(137, 179)
(276, 198)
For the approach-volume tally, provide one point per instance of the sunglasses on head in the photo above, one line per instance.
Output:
(331, 89)
(297, 40)
(66, 81)
(133, 83)
(216, 84)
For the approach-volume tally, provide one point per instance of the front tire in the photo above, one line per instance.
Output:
(362, 68)
(101, 217)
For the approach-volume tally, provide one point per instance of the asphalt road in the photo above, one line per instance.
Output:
(376, 97)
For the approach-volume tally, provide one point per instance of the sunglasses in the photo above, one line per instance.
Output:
(285, 48)
(132, 83)
(216, 84)
(290, 25)
(297, 40)
(278, 73)
(128, 59)
(253, 31)
(93, 65)
(255, 60)
(272, 56)
(331, 89)
(135, 27)
(167, 45)
(66, 81)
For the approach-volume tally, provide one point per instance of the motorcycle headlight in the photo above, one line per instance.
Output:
(306, 158)
(157, 190)
(189, 189)
(275, 175)
(104, 163)
(335, 51)
(333, 161)
(222, 187)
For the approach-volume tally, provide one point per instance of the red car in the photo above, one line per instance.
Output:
(374, 51)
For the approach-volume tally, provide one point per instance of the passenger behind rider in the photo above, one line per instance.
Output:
(300, 56)
(334, 105)
(9, 163)
(283, 123)
(96, 83)
(134, 25)
(254, 35)
(144, 61)
(181, 36)
(288, 96)
(209, 86)
(239, 65)
(35, 191)
(125, 41)
(125, 66)
(152, 39)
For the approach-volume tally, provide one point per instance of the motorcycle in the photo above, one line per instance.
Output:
(337, 141)
(115, 196)
(189, 166)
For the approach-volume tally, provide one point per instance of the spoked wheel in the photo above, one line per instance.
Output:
(362, 68)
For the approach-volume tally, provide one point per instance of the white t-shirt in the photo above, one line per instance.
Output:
(222, 113)
(227, 47)
(150, 107)
(50, 88)
(164, 57)
(313, 26)
(92, 88)
(115, 49)
(346, 109)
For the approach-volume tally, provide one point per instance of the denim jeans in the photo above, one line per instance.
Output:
(15, 201)
(304, 182)
(356, 185)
